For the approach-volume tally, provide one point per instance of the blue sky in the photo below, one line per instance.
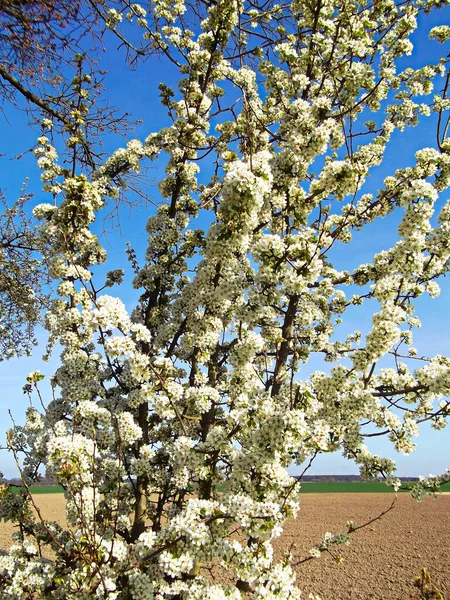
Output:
(136, 92)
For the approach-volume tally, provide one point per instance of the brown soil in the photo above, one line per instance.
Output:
(380, 563)
(383, 558)
(51, 507)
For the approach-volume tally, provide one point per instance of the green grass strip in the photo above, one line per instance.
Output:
(346, 487)
(308, 487)
(46, 489)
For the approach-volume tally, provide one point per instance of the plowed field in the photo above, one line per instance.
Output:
(384, 557)
(381, 561)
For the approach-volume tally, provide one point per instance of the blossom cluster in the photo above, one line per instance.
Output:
(173, 426)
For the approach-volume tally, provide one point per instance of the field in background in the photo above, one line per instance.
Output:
(45, 489)
(380, 563)
(309, 487)
(357, 487)
(346, 487)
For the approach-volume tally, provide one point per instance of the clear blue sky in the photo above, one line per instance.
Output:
(137, 93)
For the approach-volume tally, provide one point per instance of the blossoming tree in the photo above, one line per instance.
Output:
(172, 428)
